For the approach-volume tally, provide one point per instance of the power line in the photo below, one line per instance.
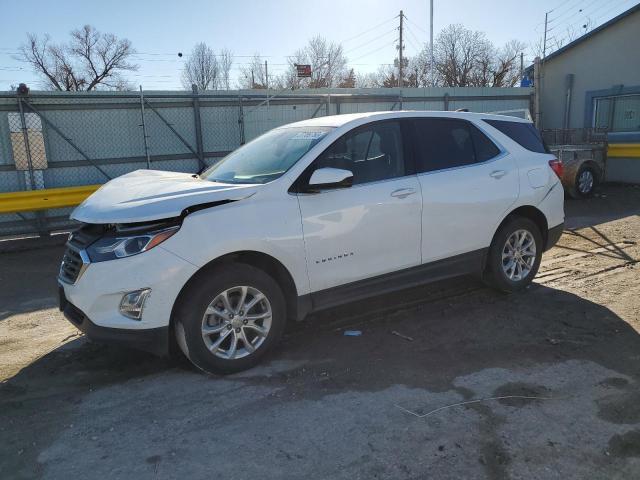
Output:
(175, 54)
(571, 27)
(564, 12)
(392, 43)
(351, 50)
(374, 42)
(417, 43)
(416, 25)
(368, 30)
(606, 12)
(587, 14)
(590, 17)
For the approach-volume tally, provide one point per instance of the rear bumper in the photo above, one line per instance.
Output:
(553, 235)
(153, 340)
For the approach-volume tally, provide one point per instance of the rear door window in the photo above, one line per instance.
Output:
(484, 147)
(525, 134)
(441, 143)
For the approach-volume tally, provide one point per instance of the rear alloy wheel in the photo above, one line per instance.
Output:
(229, 317)
(518, 255)
(514, 255)
(585, 182)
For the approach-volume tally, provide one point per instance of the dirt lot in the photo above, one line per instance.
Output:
(327, 405)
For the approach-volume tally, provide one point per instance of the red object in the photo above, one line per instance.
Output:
(556, 166)
(303, 70)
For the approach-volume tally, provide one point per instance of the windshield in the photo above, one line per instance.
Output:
(267, 157)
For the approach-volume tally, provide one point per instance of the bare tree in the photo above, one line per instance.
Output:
(466, 58)
(225, 63)
(419, 69)
(571, 33)
(555, 42)
(386, 76)
(327, 61)
(536, 48)
(201, 69)
(463, 58)
(457, 51)
(90, 60)
(506, 67)
(253, 75)
(367, 80)
(349, 80)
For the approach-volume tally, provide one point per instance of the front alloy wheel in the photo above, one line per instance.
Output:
(237, 322)
(229, 317)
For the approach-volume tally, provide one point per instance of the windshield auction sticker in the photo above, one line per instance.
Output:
(308, 135)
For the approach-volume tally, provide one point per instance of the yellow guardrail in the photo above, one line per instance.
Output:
(629, 150)
(13, 202)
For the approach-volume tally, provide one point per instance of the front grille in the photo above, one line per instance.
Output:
(72, 265)
(75, 260)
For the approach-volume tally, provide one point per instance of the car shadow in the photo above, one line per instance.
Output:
(425, 337)
(459, 326)
(611, 202)
(28, 280)
(599, 244)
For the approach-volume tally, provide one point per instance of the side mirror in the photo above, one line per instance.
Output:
(330, 178)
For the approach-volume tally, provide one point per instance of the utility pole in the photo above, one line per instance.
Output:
(400, 46)
(521, 64)
(536, 92)
(544, 41)
(266, 82)
(144, 130)
(431, 63)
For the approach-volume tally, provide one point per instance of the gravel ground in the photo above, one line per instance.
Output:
(472, 384)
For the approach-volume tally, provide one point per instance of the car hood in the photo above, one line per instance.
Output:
(146, 195)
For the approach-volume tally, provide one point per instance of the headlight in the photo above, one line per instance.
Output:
(112, 247)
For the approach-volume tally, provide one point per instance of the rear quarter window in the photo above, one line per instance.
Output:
(525, 134)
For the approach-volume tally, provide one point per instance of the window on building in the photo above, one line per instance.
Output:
(617, 114)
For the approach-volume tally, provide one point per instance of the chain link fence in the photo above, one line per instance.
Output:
(60, 139)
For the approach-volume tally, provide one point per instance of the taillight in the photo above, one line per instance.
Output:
(556, 166)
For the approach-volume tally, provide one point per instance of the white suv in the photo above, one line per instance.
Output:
(305, 217)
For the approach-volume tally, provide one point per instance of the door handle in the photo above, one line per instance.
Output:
(497, 174)
(403, 192)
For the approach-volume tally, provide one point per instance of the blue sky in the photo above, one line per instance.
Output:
(160, 29)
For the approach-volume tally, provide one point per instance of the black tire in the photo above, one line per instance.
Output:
(494, 274)
(585, 191)
(197, 298)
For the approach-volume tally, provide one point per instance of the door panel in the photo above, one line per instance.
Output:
(467, 184)
(359, 232)
(368, 229)
(463, 205)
